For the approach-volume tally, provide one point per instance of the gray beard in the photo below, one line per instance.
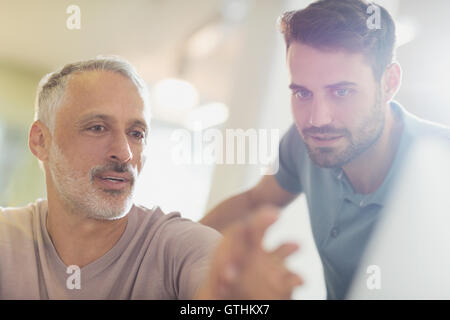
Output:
(79, 194)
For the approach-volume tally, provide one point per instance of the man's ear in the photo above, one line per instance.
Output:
(39, 140)
(391, 81)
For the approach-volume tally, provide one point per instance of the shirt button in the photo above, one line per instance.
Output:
(361, 203)
(334, 232)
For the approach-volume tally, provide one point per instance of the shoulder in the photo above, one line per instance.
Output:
(420, 128)
(178, 250)
(292, 148)
(292, 136)
(432, 130)
(172, 227)
(18, 222)
(22, 214)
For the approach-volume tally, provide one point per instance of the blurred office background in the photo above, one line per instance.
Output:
(218, 62)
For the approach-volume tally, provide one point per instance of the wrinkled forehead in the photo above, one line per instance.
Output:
(105, 92)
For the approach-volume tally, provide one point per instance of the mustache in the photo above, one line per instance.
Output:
(115, 167)
(325, 130)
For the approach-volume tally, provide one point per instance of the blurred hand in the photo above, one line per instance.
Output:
(241, 269)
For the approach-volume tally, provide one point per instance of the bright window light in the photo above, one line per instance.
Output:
(173, 98)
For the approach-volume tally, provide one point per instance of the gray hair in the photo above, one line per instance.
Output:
(52, 86)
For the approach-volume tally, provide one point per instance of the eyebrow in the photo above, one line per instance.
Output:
(107, 118)
(95, 116)
(294, 86)
(341, 84)
(139, 123)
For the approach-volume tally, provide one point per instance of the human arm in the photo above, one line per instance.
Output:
(266, 192)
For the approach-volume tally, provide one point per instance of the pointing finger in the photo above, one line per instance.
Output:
(285, 250)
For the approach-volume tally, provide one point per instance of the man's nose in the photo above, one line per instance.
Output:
(321, 114)
(120, 150)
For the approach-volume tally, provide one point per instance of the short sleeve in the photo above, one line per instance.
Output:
(192, 246)
(289, 155)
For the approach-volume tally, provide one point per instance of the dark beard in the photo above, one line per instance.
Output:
(324, 157)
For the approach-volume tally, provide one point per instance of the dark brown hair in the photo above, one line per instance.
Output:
(342, 24)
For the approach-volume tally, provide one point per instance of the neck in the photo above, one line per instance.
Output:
(365, 179)
(80, 240)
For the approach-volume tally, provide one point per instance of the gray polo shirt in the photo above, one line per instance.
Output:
(342, 220)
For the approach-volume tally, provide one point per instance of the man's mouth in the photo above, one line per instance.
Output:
(324, 140)
(113, 181)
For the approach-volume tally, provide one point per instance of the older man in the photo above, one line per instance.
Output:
(88, 240)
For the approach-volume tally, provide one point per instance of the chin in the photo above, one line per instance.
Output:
(109, 214)
(328, 159)
(326, 163)
(110, 209)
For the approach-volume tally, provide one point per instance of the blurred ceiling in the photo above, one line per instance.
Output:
(33, 34)
(153, 35)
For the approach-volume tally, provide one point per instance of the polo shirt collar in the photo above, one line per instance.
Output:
(380, 196)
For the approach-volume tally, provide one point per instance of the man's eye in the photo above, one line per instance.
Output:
(138, 134)
(303, 94)
(97, 128)
(341, 92)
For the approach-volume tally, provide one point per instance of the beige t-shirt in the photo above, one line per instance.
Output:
(159, 256)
